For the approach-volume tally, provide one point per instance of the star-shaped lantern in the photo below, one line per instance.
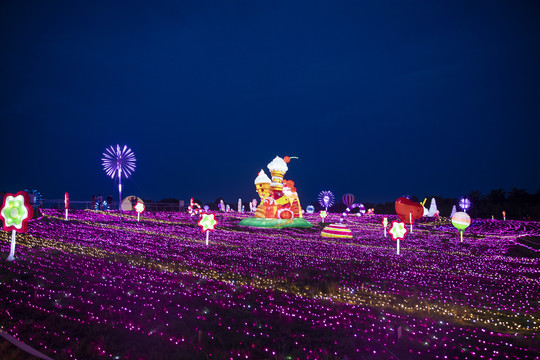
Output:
(16, 211)
(207, 222)
(398, 230)
(139, 207)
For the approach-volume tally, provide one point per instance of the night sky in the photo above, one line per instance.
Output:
(376, 98)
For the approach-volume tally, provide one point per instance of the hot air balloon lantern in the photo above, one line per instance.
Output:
(348, 200)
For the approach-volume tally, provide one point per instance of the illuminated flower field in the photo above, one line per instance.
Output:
(104, 286)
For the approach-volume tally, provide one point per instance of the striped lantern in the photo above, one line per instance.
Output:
(461, 220)
(337, 231)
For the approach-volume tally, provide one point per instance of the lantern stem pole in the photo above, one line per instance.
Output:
(461, 235)
(66, 214)
(207, 233)
(120, 189)
(398, 246)
(11, 256)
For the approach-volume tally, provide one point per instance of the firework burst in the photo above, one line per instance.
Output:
(118, 162)
(326, 199)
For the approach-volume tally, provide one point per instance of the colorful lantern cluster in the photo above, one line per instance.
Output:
(279, 198)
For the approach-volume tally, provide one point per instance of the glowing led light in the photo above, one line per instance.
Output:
(137, 276)
(464, 204)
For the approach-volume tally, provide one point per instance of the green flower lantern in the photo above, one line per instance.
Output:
(15, 213)
(208, 223)
(397, 232)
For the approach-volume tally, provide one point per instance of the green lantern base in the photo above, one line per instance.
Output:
(275, 223)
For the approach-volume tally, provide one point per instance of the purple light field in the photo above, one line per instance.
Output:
(104, 286)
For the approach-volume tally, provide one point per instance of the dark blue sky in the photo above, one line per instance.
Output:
(376, 98)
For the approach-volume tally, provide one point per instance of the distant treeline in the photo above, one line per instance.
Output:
(517, 203)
